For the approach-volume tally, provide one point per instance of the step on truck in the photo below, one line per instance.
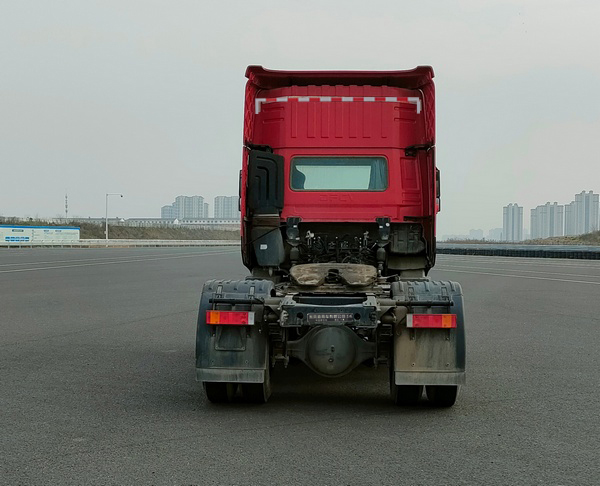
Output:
(339, 193)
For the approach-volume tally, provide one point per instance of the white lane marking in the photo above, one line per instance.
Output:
(525, 271)
(116, 263)
(550, 262)
(99, 259)
(501, 265)
(526, 259)
(520, 276)
(526, 263)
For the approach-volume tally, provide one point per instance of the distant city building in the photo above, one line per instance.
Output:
(581, 216)
(547, 221)
(570, 219)
(495, 234)
(168, 212)
(476, 234)
(185, 207)
(588, 211)
(227, 207)
(512, 227)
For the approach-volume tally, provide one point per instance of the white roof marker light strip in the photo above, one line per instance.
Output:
(303, 99)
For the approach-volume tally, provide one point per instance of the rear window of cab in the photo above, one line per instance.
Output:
(339, 174)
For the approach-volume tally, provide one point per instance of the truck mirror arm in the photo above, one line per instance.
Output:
(411, 151)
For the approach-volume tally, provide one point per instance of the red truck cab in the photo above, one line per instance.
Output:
(354, 147)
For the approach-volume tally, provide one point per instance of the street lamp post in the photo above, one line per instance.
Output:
(106, 216)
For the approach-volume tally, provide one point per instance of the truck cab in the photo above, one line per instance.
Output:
(343, 163)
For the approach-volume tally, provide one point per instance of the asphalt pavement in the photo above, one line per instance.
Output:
(97, 382)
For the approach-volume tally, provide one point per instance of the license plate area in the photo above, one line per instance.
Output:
(298, 315)
(332, 318)
(299, 310)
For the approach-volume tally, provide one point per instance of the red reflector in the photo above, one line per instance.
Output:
(444, 321)
(232, 318)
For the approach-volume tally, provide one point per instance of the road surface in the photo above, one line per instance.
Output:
(97, 382)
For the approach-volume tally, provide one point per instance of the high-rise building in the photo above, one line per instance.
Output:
(581, 216)
(570, 219)
(226, 207)
(186, 207)
(547, 221)
(167, 212)
(189, 207)
(587, 211)
(512, 223)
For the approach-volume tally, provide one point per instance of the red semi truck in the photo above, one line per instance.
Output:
(339, 193)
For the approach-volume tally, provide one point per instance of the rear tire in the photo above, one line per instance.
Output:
(443, 396)
(406, 395)
(403, 395)
(258, 392)
(219, 392)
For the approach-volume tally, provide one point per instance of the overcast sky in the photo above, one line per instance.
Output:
(146, 97)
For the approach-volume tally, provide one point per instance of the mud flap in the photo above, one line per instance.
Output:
(234, 354)
(430, 356)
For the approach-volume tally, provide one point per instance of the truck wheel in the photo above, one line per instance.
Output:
(442, 395)
(406, 395)
(219, 392)
(258, 392)
(403, 395)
